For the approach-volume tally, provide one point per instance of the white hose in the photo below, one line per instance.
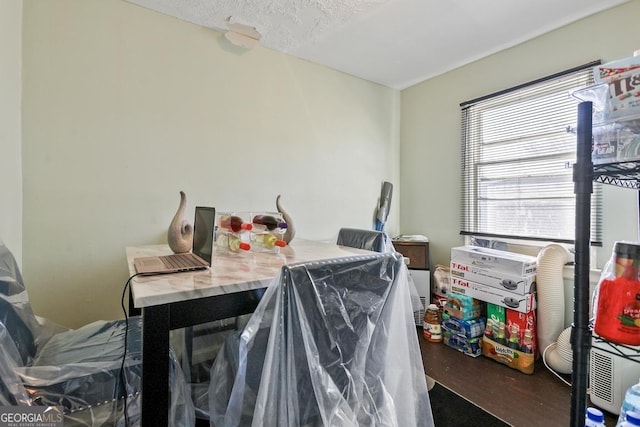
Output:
(550, 293)
(559, 356)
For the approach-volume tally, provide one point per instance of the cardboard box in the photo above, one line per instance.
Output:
(506, 262)
(521, 303)
(515, 359)
(521, 285)
(462, 306)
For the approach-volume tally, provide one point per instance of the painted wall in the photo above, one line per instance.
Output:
(124, 107)
(430, 128)
(10, 133)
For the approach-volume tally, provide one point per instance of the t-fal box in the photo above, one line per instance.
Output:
(521, 303)
(495, 278)
(507, 262)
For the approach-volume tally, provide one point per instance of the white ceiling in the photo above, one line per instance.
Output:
(396, 43)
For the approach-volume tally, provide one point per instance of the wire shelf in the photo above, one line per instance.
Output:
(622, 174)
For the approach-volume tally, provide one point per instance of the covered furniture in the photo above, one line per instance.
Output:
(83, 371)
(379, 241)
(371, 240)
(332, 343)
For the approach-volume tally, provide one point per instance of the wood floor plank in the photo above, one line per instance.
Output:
(519, 399)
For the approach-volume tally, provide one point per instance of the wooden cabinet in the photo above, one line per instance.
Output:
(416, 251)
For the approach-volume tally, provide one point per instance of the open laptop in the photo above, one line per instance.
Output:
(198, 259)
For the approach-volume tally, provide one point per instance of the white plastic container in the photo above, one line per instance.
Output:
(631, 402)
(594, 418)
(633, 420)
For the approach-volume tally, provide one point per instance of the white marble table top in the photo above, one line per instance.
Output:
(229, 272)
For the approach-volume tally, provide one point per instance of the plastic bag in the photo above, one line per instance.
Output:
(616, 302)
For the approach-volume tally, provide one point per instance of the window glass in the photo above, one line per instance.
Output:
(517, 153)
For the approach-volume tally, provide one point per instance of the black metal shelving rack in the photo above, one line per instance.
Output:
(623, 174)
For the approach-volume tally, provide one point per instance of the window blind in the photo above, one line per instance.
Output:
(517, 153)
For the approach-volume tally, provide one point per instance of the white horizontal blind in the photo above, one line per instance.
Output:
(517, 156)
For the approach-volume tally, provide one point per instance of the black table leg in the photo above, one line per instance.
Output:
(133, 311)
(155, 366)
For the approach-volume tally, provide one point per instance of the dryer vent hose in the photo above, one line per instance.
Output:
(550, 297)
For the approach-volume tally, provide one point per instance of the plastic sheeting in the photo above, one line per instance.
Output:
(377, 241)
(332, 343)
(79, 370)
(206, 340)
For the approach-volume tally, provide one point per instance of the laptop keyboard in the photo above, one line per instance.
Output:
(180, 261)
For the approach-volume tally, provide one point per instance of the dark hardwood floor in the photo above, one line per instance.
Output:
(521, 400)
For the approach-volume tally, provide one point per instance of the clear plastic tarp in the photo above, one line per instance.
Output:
(81, 370)
(197, 346)
(332, 343)
(377, 241)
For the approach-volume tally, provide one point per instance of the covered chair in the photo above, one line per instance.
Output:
(371, 240)
(332, 343)
(82, 371)
(378, 241)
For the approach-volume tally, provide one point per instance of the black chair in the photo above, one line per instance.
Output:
(371, 240)
(331, 343)
(80, 370)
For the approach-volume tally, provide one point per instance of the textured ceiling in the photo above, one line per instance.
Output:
(396, 43)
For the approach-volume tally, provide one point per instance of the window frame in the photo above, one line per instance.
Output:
(472, 222)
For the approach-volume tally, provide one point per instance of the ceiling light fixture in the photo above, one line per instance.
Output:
(242, 35)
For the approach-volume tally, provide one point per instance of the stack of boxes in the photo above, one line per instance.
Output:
(463, 323)
(506, 283)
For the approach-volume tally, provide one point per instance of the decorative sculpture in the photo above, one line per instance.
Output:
(180, 233)
(291, 231)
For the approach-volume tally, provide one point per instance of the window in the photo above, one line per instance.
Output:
(517, 155)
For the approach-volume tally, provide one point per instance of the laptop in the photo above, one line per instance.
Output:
(198, 259)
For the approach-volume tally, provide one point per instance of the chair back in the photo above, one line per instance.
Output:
(18, 331)
(16, 314)
(335, 312)
(370, 240)
(332, 342)
(11, 282)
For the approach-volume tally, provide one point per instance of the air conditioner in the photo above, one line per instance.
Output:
(613, 369)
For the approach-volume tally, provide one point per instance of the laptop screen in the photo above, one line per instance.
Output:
(203, 226)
